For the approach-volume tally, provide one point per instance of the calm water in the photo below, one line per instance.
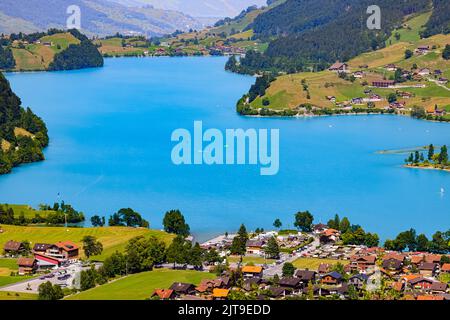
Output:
(110, 148)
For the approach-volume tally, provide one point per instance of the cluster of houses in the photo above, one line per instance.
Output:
(411, 276)
(43, 256)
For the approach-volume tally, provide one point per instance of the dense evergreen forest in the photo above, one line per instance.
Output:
(440, 19)
(18, 148)
(6, 58)
(312, 34)
(77, 56)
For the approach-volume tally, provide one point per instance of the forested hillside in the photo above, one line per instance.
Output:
(23, 135)
(440, 19)
(6, 58)
(77, 56)
(315, 33)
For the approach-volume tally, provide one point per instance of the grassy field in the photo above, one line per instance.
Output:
(140, 286)
(28, 211)
(4, 295)
(33, 57)
(313, 263)
(6, 280)
(251, 260)
(112, 238)
(410, 33)
(286, 91)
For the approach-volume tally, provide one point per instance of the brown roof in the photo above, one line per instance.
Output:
(180, 287)
(394, 255)
(368, 258)
(445, 267)
(12, 246)
(163, 293)
(425, 298)
(26, 262)
(433, 258)
(429, 266)
(439, 286)
(67, 245)
(305, 275)
(324, 267)
(417, 259)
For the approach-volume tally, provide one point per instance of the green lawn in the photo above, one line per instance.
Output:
(313, 263)
(140, 286)
(8, 263)
(112, 238)
(6, 280)
(28, 211)
(248, 259)
(410, 34)
(17, 296)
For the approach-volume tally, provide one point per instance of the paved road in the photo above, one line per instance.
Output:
(272, 269)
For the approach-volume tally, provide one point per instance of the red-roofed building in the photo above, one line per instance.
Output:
(164, 294)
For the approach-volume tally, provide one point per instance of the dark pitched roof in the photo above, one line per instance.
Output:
(182, 287)
(429, 266)
(334, 274)
(289, 282)
(305, 275)
(12, 246)
(254, 243)
(439, 286)
(41, 246)
(392, 263)
(420, 279)
(279, 291)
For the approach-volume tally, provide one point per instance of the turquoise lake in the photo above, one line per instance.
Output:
(110, 147)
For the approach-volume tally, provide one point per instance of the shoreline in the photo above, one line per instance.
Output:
(425, 168)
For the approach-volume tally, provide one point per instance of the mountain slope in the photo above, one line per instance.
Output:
(98, 17)
(316, 33)
(201, 8)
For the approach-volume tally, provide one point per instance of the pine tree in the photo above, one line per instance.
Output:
(430, 152)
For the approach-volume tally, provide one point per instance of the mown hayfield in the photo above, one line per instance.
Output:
(250, 260)
(313, 263)
(112, 238)
(26, 60)
(63, 40)
(4, 295)
(140, 286)
(411, 32)
(27, 211)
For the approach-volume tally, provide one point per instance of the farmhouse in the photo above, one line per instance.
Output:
(424, 72)
(427, 269)
(391, 67)
(252, 271)
(13, 247)
(163, 294)
(306, 276)
(254, 247)
(180, 288)
(27, 266)
(331, 278)
(339, 67)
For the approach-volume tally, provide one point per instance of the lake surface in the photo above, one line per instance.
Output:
(110, 132)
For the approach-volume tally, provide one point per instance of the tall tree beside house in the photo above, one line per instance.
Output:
(288, 270)
(178, 251)
(423, 244)
(238, 246)
(174, 222)
(143, 253)
(304, 221)
(212, 256)
(272, 250)
(196, 256)
(344, 225)
(91, 246)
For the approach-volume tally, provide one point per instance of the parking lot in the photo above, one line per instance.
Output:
(64, 277)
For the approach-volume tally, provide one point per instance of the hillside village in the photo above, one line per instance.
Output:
(274, 265)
